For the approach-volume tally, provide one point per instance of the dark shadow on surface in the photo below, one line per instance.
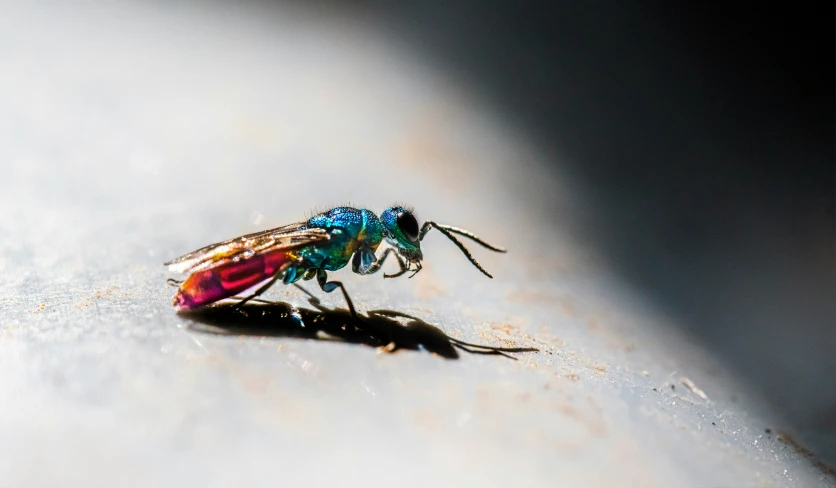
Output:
(387, 330)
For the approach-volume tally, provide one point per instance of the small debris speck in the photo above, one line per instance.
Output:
(696, 391)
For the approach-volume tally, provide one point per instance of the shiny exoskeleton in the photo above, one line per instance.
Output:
(306, 250)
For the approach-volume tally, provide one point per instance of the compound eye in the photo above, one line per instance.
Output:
(408, 225)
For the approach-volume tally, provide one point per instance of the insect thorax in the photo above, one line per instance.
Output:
(350, 230)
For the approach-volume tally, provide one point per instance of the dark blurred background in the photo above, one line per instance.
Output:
(703, 139)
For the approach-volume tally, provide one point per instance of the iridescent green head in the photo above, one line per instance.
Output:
(401, 231)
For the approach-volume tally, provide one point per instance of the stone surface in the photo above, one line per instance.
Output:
(132, 133)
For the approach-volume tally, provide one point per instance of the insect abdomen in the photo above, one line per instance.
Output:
(227, 280)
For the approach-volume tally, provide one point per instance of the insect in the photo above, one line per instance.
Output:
(306, 250)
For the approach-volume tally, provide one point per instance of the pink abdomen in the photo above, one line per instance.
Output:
(227, 280)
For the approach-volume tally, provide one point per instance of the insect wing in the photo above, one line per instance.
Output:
(246, 246)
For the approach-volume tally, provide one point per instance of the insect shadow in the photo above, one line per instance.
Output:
(387, 330)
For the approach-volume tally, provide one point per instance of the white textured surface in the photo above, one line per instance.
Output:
(132, 133)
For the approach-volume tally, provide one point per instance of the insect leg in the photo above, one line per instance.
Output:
(376, 266)
(173, 282)
(401, 263)
(279, 274)
(329, 286)
(312, 299)
(418, 268)
(404, 269)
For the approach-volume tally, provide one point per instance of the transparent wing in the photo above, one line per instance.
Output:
(247, 246)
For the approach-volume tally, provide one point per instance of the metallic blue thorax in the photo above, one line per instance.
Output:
(351, 231)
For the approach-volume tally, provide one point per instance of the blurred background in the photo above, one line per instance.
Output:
(663, 175)
(702, 140)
